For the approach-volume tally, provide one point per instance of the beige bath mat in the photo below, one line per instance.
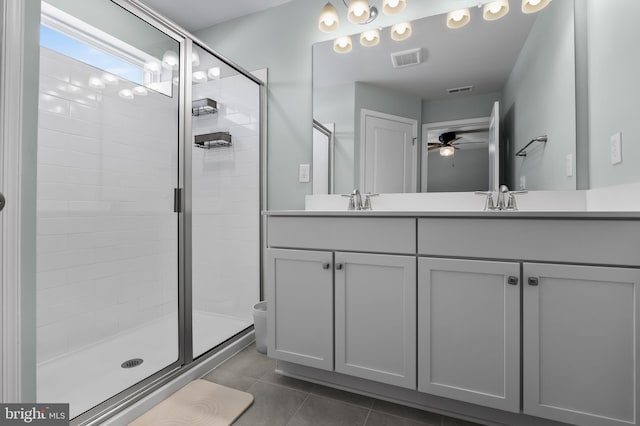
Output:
(199, 403)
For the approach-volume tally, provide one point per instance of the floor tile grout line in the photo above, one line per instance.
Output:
(298, 409)
(281, 386)
(366, 419)
(341, 400)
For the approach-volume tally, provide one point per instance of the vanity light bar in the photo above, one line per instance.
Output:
(492, 10)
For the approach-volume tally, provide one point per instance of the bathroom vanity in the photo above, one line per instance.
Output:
(501, 318)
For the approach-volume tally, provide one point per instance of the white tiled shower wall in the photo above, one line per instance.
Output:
(107, 234)
(226, 202)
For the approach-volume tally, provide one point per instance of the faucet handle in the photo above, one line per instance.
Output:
(367, 200)
(352, 201)
(511, 202)
(488, 204)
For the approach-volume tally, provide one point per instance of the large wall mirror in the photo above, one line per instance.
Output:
(557, 82)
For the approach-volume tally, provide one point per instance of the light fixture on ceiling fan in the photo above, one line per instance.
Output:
(448, 142)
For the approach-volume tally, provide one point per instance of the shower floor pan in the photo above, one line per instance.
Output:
(91, 375)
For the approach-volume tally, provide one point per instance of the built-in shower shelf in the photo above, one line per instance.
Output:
(213, 140)
(203, 107)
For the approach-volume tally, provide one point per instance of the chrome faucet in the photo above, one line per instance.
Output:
(510, 202)
(355, 200)
(502, 192)
(506, 199)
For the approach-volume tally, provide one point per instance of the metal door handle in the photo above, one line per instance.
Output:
(512, 280)
(533, 281)
(2, 201)
(339, 266)
(326, 265)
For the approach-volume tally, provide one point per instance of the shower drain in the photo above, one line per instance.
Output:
(132, 363)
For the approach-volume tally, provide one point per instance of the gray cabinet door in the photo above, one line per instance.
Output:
(580, 344)
(376, 317)
(469, 331)
(299, 294)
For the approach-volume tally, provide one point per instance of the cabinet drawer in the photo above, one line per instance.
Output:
(567, 241)
(374, 235)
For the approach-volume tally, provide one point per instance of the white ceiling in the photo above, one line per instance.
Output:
(195, 15)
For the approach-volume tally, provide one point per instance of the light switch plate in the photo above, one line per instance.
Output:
(616, 148)
(523, 182)
(303, 173)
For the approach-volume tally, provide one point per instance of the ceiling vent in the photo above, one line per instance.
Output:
(406, 58)
(462, 89)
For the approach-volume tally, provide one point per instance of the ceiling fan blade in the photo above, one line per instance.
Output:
(455, 140)
(465, 143)
(434, 144)
(431, 148)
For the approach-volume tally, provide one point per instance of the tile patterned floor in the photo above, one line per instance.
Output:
(283, 401)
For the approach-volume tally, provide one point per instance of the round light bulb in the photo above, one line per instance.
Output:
(199, 77)
(495, 10)
(358, 12)
(140, 91)
(458, 18)
(342, 45)
(213, 73)
(126, 94)
(370, 38)
(447, 151)
(533, 6)
(329, 20)
(96, 83)
(170, 59)
(401, 31)
(153, 66)
(391, 7)
(110, 79)
(195, 58)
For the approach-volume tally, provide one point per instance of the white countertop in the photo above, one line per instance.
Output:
(576, 215)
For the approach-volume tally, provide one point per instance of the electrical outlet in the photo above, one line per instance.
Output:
(303, 173)
(616, 148)
(569, 165)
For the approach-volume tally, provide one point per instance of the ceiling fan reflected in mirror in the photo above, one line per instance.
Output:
(448, 142)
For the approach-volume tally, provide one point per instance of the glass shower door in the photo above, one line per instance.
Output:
(225, 163)
(107, 233)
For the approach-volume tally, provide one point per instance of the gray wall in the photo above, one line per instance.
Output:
(383, 100)
(539, 99)
(467, 170)
(281, 39)
(335, 105)
(459, 108)
(614, 67)
(30, 72)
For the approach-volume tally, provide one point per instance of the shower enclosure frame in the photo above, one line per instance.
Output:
(185, 362)
(13, 355)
